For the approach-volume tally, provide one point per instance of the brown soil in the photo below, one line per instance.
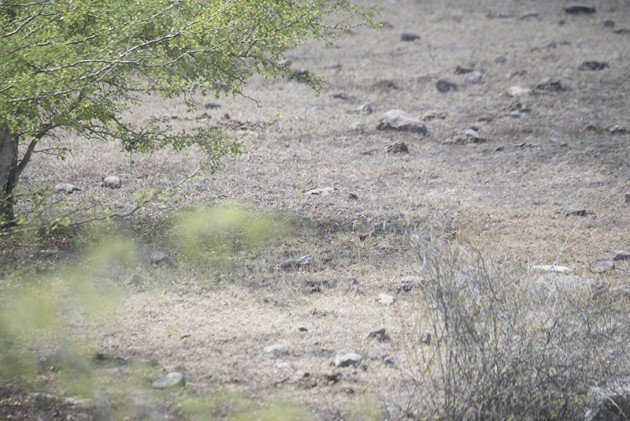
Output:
(506, 191)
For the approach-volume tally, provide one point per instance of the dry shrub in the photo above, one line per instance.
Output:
(506, 343)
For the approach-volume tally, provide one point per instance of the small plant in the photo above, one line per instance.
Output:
(505, 344)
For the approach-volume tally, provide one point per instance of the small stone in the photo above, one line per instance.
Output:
(341, 95)
(426, 338)
(574, 210)
(112, 182)
(485, 118)
(67, 188)
(212, 106)
(608, 23)
(621, 255)
(159, 257)
(549, 84)
(617, 129)
(500, 60)
(445, 85)
(277, 349)
(380, 335)
(365, 108)
(401, 121)
(593, 65)
(135, 279)
(347, 359)
(389, 360)
(473, 136)
(544, 44)
(579, 8)
(475, 78)
(398, 147)
(627, 199)
(351, 280)
(298, 262)
(551, 268)
(303, 329)
(516, 91)
(172, 379)
(386, 299)
(409, 37)
(602, 266)
(353, 196)
(462, 70)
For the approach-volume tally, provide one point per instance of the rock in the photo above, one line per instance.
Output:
(365, 108)
(303, 329)
(353, 196)
(358, 126)
(277, 350)
(475, 77)
(380, 335)
(67, 188)
(301, 76)
(608, 23)
(549, 84)
(386, 299)
(469, 136)
(579, 9)
(347, 359)
(341, 95)
(112, 182)
(426, 338)
(622, 291)
(574, 210)
(610, 401)
(407, 36)
(554, 283)
(602, 266)
(135, 279)
(320, 191)
(159, 257)
(462, 70)
(617, 129)
(445, 85)
(544, 44)
(212, 106)
(621, 255)
(627, 199)
(351, 280)
(401, 121)
(389, 360)
(516, 91)
(593, 65)
(298, 262)
(432, 115)
(172, 379)
(500, 60)
(551, 269)
(398, 147)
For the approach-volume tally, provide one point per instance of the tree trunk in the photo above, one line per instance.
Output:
(8, 175)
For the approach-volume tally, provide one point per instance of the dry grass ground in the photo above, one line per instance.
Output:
(503, 192)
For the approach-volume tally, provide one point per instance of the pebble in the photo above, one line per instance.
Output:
(593, 65)
(469, 136)
(303, 261)
(574, 210)
(277, 349)
(551, 268)
(602, 266)
(549, 84)
(380, 335)
(627, 199)
(347, 359)
(500, 60)
(475, 77)
(170, 380)
(544, 44)
(515, 91)
(408, 36)
(426, 338)
(351, 280)
(445, 85)
(401, 121)
(112, 182)
(67, 188)
(389, 360)
(386, 299)
(608, 23)
(462, 70)
(398, 147)
(621, 255)
(365, 108)
(579, 8)
(159, 257)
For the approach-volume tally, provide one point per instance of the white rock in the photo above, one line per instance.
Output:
(347, 359)
(401, 121)
(112, 182)
(386, 299)
(515, 91)
(551, 268)
(277, 349)
(170, 380)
